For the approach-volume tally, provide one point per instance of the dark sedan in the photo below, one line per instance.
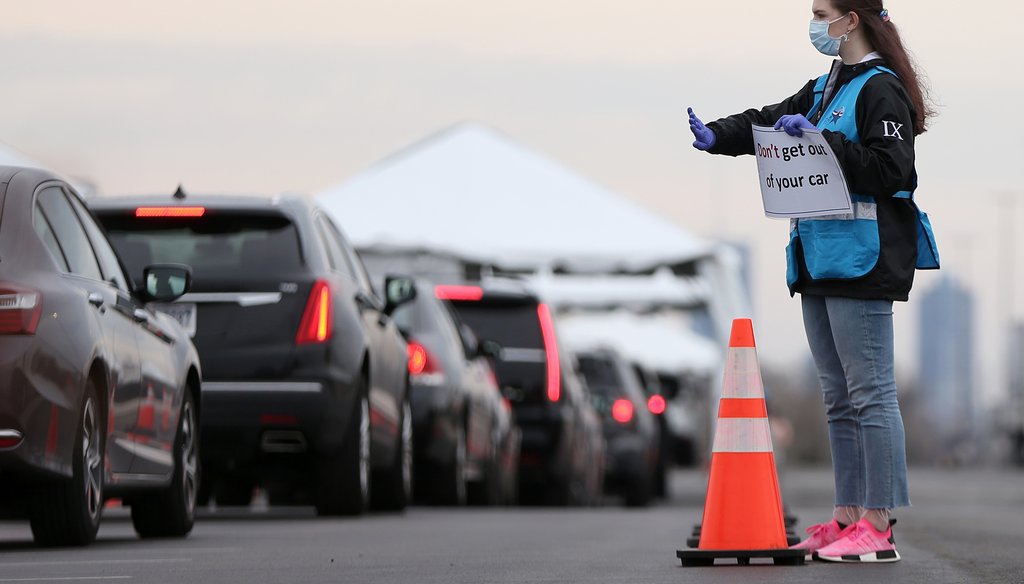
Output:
(305, 375)
(466, 445)
(99, 395)
(630, 429)
(562, 453)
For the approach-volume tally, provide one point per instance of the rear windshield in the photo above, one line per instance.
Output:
(512, 325)
(235, 246)
(516, 328)
(601, 375)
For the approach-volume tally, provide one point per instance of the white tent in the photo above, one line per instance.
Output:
(474, 193)
(11, 157)
(661, 342)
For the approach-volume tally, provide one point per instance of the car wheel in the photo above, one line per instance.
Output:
(67, 511)
(451, 486)
(396, 484)
(171, 512)
(343, 478)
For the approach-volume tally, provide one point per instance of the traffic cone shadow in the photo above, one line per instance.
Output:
(743, 514)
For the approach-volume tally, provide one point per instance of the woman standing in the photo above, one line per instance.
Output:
(849, 269)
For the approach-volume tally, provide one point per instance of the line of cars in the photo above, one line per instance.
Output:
(175, 351)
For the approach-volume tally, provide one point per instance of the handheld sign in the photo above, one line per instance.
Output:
(800, 177)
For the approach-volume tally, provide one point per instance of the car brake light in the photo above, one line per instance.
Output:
(622, 411)
(656, 404)
(10, 439)
(170, 212)
(317, 320)
(423, 367)
(20, 309)
(554, 367)
(465, 293)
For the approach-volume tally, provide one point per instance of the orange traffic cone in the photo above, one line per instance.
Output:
(743, 516)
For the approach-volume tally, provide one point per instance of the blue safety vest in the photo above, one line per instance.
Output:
(847, 246)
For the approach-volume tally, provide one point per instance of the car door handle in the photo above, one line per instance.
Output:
(96, 299)
(140, 315)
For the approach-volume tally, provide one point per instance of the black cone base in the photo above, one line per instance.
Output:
(783, 557)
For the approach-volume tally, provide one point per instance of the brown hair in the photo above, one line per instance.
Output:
(885, 38)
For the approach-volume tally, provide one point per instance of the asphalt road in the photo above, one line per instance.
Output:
(965, 526)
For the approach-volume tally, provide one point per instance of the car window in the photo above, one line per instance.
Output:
(109, 264)
(600, 374)
(222, 246)
(69, 232)
(45, 232)
(354, 262)
(335, 255)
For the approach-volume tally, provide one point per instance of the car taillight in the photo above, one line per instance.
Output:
(656, 404)
(317, 320)
(10, 439)
(622, 411)
(466, 293)
(164, 212)
(554, 369)
(20, 309)
(423, 367)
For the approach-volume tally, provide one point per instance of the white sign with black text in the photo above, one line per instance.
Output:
(800, 177)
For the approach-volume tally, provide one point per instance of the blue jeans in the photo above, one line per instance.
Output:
(852, 344)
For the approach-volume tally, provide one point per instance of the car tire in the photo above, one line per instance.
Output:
(171, 512)
(66, 512)
(451, 485)
(394, 487)
(343, 477)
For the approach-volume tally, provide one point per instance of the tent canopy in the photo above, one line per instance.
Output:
(658, 342)
(11, 157)
(474, 193)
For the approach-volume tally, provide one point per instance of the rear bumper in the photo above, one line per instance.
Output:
(627, 458)
(246, 422)
(546, 448)
(39, 408)
(434, 420)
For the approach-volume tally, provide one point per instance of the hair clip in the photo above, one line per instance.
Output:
(884, 15)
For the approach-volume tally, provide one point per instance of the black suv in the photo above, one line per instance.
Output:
(305, 386)
(562, 451)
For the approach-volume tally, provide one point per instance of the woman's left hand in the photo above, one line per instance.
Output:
(794, 124)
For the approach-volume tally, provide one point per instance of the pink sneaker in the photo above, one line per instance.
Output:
(862, 543)
(821, 535)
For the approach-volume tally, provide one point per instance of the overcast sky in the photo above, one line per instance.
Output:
(297, 96)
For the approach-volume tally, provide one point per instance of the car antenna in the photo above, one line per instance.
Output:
(179, 193)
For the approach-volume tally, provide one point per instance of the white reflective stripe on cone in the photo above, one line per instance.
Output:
(742, 375)
(742, 435)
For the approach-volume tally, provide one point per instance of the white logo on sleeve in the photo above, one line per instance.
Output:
(892, 129)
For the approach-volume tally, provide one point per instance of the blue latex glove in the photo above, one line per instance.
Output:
(794, 124)
(705, 137)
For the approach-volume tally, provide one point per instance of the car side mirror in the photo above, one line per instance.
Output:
(398, 290)
(166, 282)
(488, 348)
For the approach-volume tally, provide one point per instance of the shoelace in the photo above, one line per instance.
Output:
(816, 529)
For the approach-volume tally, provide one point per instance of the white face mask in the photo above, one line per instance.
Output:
(823, 41)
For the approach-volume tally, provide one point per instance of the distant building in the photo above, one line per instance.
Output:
(947, 357)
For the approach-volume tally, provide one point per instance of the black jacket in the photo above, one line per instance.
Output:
(880, 165)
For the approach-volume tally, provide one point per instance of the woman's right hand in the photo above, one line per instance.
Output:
(705, 136)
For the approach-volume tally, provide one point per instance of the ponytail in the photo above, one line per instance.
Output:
(884, 37)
